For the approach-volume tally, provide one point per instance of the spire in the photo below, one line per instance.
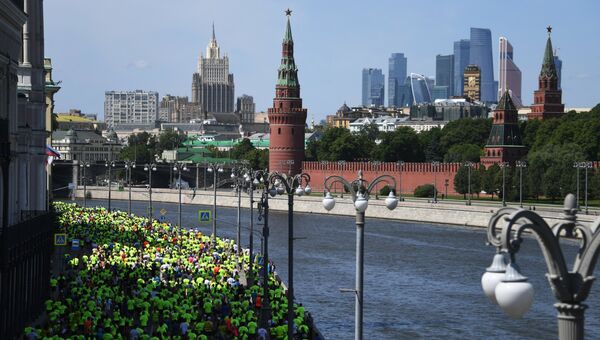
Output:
(288, 73)
(506, 102)
(288, 29)
(548, 67)
(213, 31)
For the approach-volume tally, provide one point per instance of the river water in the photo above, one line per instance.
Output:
(422, 281)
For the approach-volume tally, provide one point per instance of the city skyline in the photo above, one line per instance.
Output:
(163, 60)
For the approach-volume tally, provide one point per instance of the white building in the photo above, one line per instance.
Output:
(137, 107)
(86, 146)
(384, 124)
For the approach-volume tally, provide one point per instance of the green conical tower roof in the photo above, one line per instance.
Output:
(548, 67)
(506, 102)
(287, 37)
(288, 73)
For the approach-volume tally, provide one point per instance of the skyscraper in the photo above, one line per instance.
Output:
(548, 98)
(396, 78)
(480, 54)
(472, 82)
(212, 84)
(245, 108)
(461, 61)
(510, 75)
(373, 87)
(420, 90)
(287, 118)
(558, 65)
(444, 72)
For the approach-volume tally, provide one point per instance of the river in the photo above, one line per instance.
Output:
(422, 281)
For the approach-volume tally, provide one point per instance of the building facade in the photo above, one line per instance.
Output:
(287, 118)
(76, 120)
(472, 83)
(212, 84)
(245, 108)
(396, 78)
(558, 66)
(480, 54)
(373, 87)
(510, 75)
(444, 73)
(419, 89)
(504, 143)
(548, 97)
(462, 50)
(86, 146)
(130, 107)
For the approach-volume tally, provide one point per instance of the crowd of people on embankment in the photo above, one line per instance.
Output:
(136, 280)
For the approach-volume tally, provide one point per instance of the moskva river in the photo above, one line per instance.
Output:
(422, 281)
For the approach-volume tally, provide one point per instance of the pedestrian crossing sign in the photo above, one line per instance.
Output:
(60, 239)
(162, 218)
(204, 216)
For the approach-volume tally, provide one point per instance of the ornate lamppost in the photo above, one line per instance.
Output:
(291, 185)
(263, 214)
(84, 165)
(521, 165)
(504, 284)
(215, 169)
(129, 166)
(150, 167)
(435, 166)
(469, 165)
(179, 167)
(109, 165)
(360, 190)
(504, 165)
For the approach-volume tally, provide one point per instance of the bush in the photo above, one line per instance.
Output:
(385, 190)
(425, 190)
(88, 195)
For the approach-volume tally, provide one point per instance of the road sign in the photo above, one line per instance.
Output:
(75, 244)
(162, 218)
(71, 186)
(60, 239)
(204, 216)
(163, 212)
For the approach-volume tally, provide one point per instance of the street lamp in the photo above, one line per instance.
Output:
(503, 165)
(263, 213)
(238, 175)
(400, 165)
(215, 169)
(84, 165)
(291, 185)
(109, 165)
(435, 165)
(360, 196)
(469, 165)
(179, 167)
(150, 167)
(577, 166)
(253, 180)
(514, 294)
(583, 165)
(521, 165)
(129, 166)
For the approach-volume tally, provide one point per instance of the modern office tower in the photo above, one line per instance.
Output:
(121, 107)
(246, 108)
(548, 98)
(481, 55)
(420, 92)
(439, 92)
(461, 61)
(558, 65)
(504, 143)
(373, 87)
(472, 83)
(287, 118)
(510, 75)
(212, 84)
(444, 73)
(396, 78)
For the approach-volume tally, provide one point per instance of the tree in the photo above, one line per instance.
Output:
(489, 183)
(141, 148)
(241, 149)
(401, 144)
(425, 190)
(170, 140)
(463, 153)
(465, 131)
(461, 181)
(371, 131)
(430, 144)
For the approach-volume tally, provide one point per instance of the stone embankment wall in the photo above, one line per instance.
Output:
(448, 213)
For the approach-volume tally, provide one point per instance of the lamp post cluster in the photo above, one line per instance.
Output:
(503, 166)
(263, 214)
(83, 166)
(290, 185)
(435, 165)
(360, 190)
(129, 166)
(241, 179)
(469, 166)
(109, 165)
(179, 167)
(583, 165)
(215, 169)
(521, 165)
(503, 283)
(150, 167)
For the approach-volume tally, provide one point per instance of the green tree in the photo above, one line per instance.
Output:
(490, 180)
(141, 148)
(461, 181)
(401, 144)
(430, 144)
(170, 140)
(463, 153)
(425, 190)
(371, 131)
(241, 149)
(465, 131)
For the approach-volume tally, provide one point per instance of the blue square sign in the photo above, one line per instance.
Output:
(204, 216)
(60, 239)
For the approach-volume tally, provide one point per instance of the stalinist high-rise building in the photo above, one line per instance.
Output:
(212, 84)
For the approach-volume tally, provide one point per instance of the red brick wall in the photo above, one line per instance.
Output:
(412, 175)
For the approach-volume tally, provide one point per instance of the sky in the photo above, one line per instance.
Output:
(153, 45)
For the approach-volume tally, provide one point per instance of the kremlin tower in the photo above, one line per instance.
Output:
(287, 118)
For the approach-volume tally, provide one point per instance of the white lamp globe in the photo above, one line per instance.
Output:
(391, 202)
(256, 182)
(307, 189)
(232, 175)
(299, 191)
(328, 201)
(209, 170)
(280, 190)
(492, 276)
(361, 204)
(514, 294)
(273, 191)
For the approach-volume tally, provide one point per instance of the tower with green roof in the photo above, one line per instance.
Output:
(287, 118)
(548, 97)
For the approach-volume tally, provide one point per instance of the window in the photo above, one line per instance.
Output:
(292, 131)
(278, 131)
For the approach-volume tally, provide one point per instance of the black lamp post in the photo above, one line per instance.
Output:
(84, 165)
(109, 165)
(129, 166)
(150, 167)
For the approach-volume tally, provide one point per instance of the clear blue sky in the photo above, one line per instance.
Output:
(154, 45)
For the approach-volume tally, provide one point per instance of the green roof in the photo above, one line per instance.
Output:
(506, 103)
(548, 67)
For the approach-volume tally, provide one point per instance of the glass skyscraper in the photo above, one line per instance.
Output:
(420, 89)
(373, 87)
(480, 54)
(444, 72)
(558, 65)
(510, 75)
(461, 61)
(396, 78)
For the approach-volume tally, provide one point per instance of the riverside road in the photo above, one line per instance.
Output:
(422, 281)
